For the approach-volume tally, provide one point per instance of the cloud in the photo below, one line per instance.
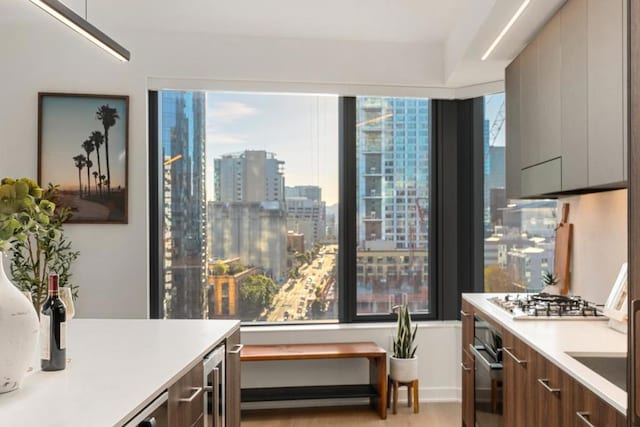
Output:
(229, 111)
(225, 138)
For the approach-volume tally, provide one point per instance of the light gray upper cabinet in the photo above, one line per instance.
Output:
(549, 89)
(605, 91)
(529, 114)
(575, 160)
(568, 100)
(512, 128)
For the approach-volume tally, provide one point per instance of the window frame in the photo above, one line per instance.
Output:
(451, 123)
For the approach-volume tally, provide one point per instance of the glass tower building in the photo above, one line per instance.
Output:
(183, 130)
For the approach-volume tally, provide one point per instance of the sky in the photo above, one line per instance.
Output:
(66, 124)
(302, 130)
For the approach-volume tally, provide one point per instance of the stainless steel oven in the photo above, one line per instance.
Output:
(487, 351)
(214, 385)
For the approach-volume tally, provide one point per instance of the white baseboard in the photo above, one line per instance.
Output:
(427, 394)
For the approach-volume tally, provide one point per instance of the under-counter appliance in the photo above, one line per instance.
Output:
(214, 386)
(547, 306)
(487, 351)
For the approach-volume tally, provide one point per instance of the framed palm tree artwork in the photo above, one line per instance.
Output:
(82, 148)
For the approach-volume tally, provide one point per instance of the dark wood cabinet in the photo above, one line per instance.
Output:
(186, 402)
(589, 410)
(552, 390)
(519, 370)
(232, 387)
(467, 366)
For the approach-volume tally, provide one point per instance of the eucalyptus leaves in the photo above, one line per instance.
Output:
(31, 234)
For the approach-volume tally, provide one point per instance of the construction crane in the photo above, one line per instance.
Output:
(497, 125)
(414, 236)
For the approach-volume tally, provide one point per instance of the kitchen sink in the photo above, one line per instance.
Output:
(611, 366)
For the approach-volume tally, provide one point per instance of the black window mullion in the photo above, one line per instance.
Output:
(155, 227)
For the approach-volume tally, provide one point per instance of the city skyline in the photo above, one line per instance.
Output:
(237, 122)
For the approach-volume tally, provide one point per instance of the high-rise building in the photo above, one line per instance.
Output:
(306, 213)
(393, 180)
(250, 176)
(393, 172)
(183, 129)
(248, 220)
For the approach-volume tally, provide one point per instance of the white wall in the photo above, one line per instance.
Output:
(599, 241)
(113, 267)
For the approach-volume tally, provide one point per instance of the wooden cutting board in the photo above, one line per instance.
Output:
(562, 256)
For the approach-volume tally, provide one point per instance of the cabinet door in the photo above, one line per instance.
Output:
(589, 408)
(553, 389)
(468, 388)
(605, 57)
(573, 41)
(512, 124)
(232, 378)
(518, 361)
(466, 315)
(529, 117)
(186, 402)
(548, 91)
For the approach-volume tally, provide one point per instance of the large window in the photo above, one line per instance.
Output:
(248, 206)
(519, 234)
(392, 204)
(249, 202)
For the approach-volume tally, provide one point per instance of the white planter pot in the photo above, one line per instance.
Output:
(403, 370)
(19, 329)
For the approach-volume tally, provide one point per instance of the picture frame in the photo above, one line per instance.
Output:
(616, 306)
(83, 142)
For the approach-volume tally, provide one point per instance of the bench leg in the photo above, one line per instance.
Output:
(378, 379)
(395, 396)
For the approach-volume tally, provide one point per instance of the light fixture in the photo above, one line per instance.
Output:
(513, 19)
(67, 16)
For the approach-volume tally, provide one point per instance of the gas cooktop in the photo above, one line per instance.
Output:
(546, 306)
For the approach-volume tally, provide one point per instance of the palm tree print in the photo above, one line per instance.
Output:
(95, 179)
(88, 147)
(108, 117)
(80, 161)
(98, 140)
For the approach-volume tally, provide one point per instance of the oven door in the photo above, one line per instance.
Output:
(488, 388)
(214, 385)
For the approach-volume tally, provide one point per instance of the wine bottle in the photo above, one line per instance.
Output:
(53, 330)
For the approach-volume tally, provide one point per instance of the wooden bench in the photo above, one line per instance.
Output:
(375, 389)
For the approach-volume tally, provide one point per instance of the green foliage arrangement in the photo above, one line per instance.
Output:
(31, 234)
(403, 342)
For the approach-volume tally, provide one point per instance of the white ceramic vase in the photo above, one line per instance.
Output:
(19, 329)
(403, 370)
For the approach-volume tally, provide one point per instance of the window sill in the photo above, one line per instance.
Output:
(320, 327)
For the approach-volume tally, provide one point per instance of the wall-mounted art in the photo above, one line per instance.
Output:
(82, 147)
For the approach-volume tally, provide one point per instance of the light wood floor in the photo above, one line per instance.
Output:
(431, 415)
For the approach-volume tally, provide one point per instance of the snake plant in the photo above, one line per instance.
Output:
(403, 342)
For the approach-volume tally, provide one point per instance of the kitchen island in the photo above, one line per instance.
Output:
(547, 348)
(115, 368)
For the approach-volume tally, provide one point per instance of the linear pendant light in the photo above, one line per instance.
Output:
(83, 27)
(513, 19)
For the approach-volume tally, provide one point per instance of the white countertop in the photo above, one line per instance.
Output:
(555, 338)
(117, 367)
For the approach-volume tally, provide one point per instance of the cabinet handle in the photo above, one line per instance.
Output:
(236, 349)
(584, 417)
(513, 356)
(464, 313)
(195, 391)
(464, 368)
(545, 383)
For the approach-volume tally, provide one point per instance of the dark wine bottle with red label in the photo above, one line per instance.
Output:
(53, 330)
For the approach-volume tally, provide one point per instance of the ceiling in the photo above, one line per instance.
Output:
(462, 29)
